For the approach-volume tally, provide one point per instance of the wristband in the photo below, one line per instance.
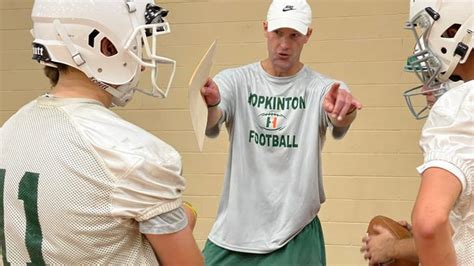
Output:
(187, 204)
(214, 105)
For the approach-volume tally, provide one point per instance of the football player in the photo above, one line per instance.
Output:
(443, 215)
(79, 184)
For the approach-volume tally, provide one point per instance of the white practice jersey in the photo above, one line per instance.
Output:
(448, 142)
(75, 181)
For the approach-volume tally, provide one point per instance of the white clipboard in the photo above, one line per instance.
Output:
(197, 104)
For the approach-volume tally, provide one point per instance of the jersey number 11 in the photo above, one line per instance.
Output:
(28, 192)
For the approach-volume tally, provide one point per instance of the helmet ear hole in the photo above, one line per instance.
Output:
(107, 48)
(444, 50)
(450, 32)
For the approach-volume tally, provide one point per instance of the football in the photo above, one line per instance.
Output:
(394, 227)
(397, 230)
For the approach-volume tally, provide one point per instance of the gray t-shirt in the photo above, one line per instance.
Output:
(273, 183)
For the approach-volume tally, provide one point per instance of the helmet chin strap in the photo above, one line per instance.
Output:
(121, 95)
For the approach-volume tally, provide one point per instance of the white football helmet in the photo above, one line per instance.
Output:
(443, 34)
(71, 31)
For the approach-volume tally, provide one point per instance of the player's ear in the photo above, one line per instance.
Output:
(265, 29)
(310, 32)
(107, 47)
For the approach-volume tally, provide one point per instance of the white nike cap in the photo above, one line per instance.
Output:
(294, 14)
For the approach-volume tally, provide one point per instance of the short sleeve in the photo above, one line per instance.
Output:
(448, 136)
(166, 223)
(145, 172)
(148, 190)
(225, 80)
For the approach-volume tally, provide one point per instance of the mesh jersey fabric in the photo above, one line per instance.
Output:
(273, 184)
(448, 142)
(97, 177)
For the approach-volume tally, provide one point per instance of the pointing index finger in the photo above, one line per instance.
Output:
(334, 87)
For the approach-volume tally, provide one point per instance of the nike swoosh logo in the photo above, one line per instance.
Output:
(288, 8)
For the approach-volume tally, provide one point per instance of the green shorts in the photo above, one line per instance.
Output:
(307, 248)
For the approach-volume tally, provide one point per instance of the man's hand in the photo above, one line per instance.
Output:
(339, 102)
(211, 94)
(377, 248)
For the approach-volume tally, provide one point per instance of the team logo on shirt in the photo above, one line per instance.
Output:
(272, 121)
(277, 102)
